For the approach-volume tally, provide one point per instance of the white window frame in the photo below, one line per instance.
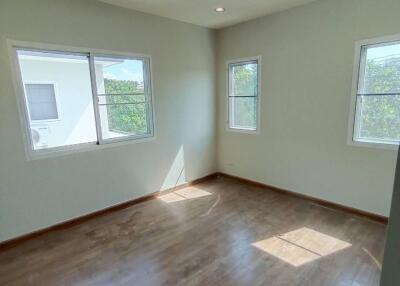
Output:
(228, 92)
(353, 124)
(56, 94)
(146, 78)
(31, 154)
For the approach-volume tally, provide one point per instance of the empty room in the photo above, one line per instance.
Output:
(200, 142)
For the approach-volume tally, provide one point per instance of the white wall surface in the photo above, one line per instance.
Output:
(307, 64)
(35, 194)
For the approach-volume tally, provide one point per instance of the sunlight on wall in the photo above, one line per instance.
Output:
(176, 174)
(184, 194)
(301, 246)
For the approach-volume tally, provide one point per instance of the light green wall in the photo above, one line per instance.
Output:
(307, 64)
(40, 193)
(307, 56)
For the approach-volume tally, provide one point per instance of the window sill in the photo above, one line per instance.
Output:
(246, 131)
(80, 148)
(44, 121)
(375, 145)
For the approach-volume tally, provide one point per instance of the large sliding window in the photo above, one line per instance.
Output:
(70, 98)
(243, 95)
(376, 100)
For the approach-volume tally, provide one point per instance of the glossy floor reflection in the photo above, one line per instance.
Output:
(220, 232)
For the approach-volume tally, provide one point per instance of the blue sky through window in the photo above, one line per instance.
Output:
(126, 70)
(384, 52)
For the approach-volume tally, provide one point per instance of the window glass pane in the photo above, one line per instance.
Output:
(124, 102)
(380, 118)
(70, 102)
(124, 120)
(119, 76)
(243, 112)
(41, 101)
(123, 98)
(244, 79)
(243, 93)
(382, 69)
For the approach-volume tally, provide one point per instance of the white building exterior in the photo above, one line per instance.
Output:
(74, 100)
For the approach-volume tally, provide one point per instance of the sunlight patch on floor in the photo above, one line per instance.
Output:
(184, 194)
(301, 246)
(171, 198)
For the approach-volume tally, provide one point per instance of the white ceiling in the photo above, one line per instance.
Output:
(201, 12)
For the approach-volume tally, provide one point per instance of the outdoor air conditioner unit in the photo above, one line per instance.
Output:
(40, 136)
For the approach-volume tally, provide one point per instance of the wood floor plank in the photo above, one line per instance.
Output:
(219, 232)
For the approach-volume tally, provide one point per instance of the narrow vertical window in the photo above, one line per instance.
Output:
(377, 110)
(243, 95)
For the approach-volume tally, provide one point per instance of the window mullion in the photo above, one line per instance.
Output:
(231, 99)
(95, 99)
(148, 95)
(379, 94)
(360, 89)
(362, 67)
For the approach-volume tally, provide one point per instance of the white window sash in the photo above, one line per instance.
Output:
(358, 90)
(231, 125)
(96, 94)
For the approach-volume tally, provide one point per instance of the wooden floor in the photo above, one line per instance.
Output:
(220, 232)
